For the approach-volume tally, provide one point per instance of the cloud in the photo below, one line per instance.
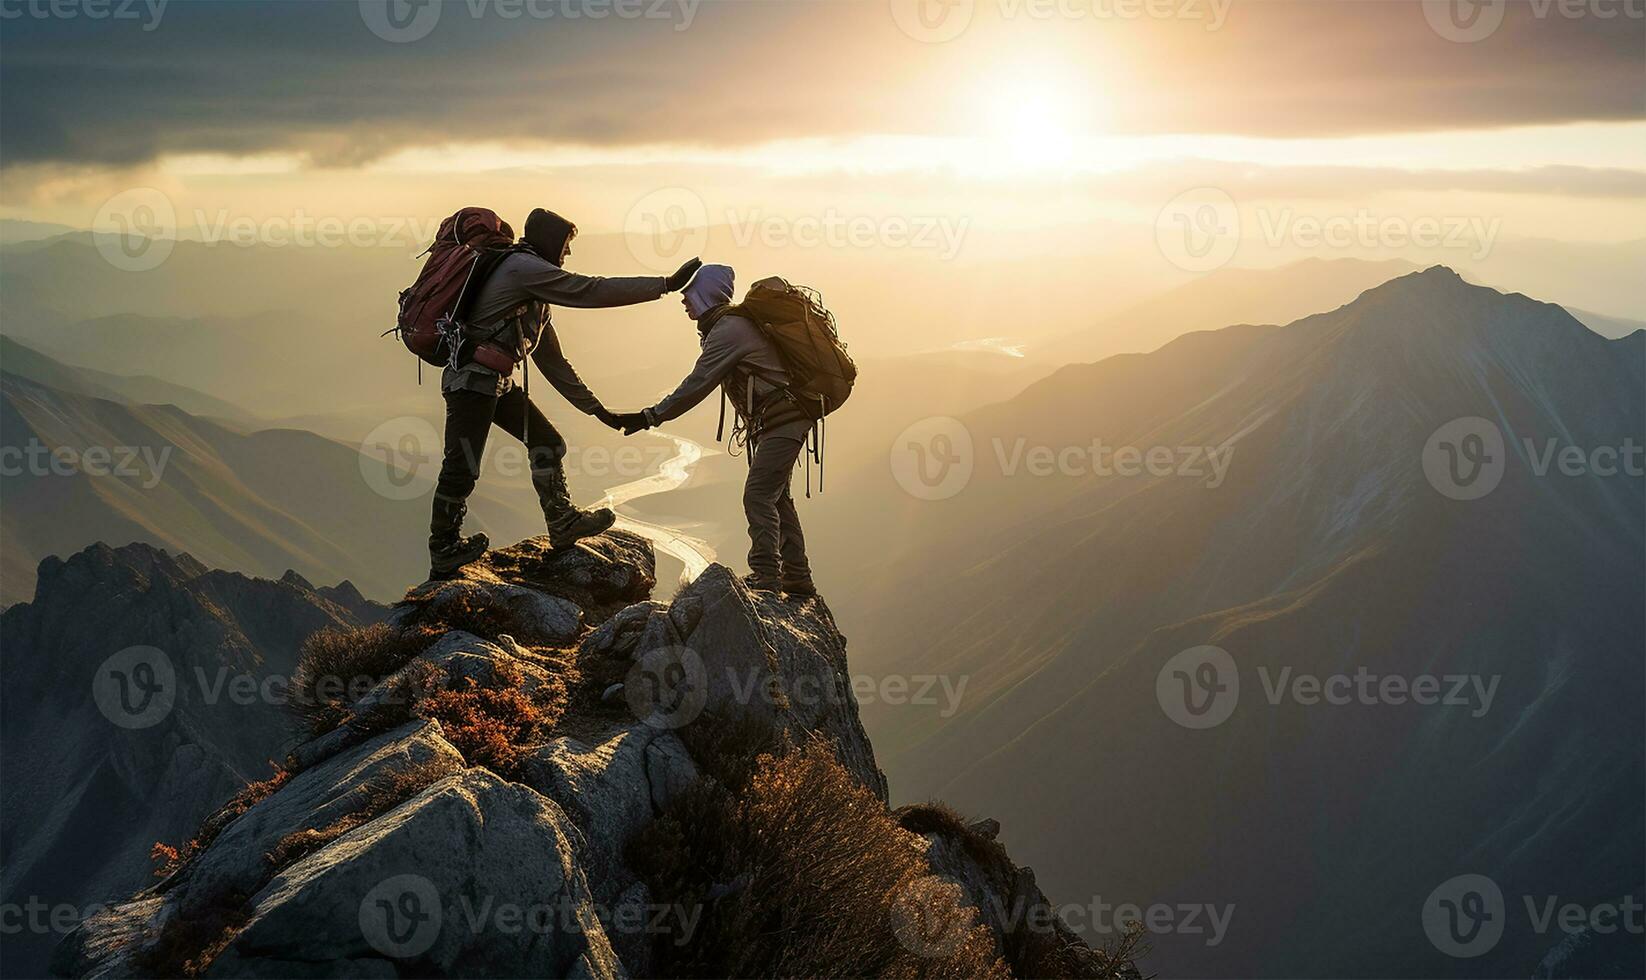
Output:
(314, 78)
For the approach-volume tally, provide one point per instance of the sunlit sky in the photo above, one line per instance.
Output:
(1008, 113)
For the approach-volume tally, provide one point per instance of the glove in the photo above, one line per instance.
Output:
(683, 276)
(631, 422)
(607, 418)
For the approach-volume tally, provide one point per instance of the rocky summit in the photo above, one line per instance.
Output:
(534, 769)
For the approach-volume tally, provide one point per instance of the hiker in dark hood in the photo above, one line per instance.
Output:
(509, 321)
(740, 359)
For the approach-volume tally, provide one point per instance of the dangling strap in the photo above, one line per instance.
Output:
(720, 427)
(526, 378)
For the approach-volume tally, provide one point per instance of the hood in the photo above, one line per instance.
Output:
(547, 233)
(711, 287)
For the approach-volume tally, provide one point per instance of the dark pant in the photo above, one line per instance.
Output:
(777, 548)
(469, 418)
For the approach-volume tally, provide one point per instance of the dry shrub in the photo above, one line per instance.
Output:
(173, 859)
(371, 800)
(335, 667)
(491, 723)
(801, 872)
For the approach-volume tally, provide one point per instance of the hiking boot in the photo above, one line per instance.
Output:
(449, 550)
(756, 582)
(445, 560)
(567, 524)
(799, 588)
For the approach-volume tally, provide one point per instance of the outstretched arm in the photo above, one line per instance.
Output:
(551, 360)
(721, 352)
(557, 287)
(561, 288)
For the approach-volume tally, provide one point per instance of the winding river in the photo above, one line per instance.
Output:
(694, 553)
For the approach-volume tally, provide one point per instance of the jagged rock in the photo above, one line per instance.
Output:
(358, 866)
(474, 876)
(611, 788)
(238, 861)
(773, 664)
(617, 636)
(459, 655)
(599, 576)
(526, 612)
(107, 943)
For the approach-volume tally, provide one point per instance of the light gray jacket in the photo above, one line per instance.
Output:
(515, 303)
(734, 349)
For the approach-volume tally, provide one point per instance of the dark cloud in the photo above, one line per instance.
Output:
(245, 77)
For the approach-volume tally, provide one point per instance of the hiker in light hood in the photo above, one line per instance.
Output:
(508, 322)
(739, 357)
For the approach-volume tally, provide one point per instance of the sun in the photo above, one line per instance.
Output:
(1032, 121)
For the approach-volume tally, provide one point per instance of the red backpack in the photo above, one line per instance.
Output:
(432, 308)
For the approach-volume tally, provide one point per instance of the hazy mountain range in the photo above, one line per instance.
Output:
(97, 766)
(1321, 549)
